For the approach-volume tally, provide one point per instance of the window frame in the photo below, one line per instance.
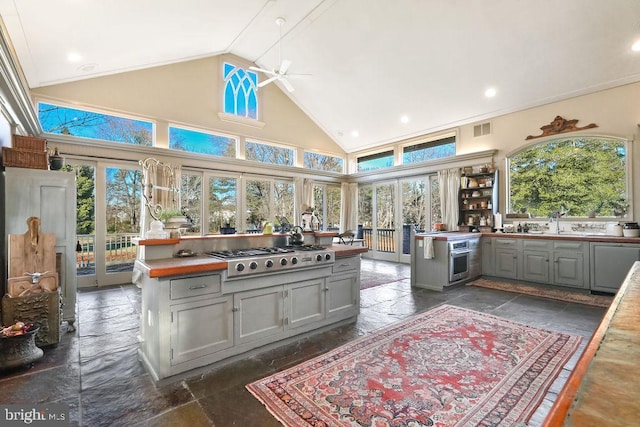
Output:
(99, 111)
(379, 154)
(320, 153)
(223, 86)
(433, 141)
(628, 171)
(294, 151)
(236, 138)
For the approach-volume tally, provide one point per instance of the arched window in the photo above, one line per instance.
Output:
(584, 176)
(240, 96)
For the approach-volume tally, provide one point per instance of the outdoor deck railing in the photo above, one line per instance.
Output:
(119, 251)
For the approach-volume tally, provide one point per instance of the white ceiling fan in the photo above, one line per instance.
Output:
(279, 74)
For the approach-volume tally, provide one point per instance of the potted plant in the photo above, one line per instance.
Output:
(172, 218)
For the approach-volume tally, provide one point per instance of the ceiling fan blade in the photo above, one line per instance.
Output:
(262, 70)
(284, 66)
(269, 80)
(287, 85)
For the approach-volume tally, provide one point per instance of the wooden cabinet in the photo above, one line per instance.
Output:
(535, 261)
(193, 321)
(50, 196)
(610, 263)
(570, 264)
(305, 303)
(200, 328)
(343, 289)
(487, 255)
(506, 253)
(478, 200)
(259, 314)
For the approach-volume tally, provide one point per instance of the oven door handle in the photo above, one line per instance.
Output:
(453, 253)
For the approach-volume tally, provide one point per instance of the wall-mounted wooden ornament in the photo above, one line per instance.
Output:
(560, 125)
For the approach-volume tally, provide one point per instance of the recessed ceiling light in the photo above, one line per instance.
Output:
(74, 57)
(404, 119)
(636, 46)
(355, 133)
(490, 93)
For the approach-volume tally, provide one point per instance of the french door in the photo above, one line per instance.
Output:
(108, 218)
(387, 212)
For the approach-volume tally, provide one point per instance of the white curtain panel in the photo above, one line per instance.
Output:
(449, 180)
(349, 207)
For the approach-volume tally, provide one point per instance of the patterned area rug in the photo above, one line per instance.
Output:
(559, 294)
(446, 367)
(370, 279)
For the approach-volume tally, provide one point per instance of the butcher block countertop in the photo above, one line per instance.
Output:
(603, 389)
(579, 237)
(204, 264)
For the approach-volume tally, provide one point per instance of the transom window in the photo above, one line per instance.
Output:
(437, 149)
(323, 162)
(267, 153)
(88, 124)
(582, 176)
(201, 142)
(240, 91)
(375, 161)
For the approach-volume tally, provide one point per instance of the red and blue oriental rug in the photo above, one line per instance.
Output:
(447, 367)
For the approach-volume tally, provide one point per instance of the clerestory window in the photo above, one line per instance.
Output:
(240, 91)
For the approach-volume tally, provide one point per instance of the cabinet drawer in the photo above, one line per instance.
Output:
(194, 286)
(569, 246)
(536, 245)
(506, 243)
(346, 264)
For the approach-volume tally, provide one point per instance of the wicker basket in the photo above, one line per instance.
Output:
(12, 157)
(29, 143)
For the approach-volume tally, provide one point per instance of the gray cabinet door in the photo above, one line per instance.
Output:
(200, 328)
(610, 264)
(305, 303)
(487, 256)
(259, 314)
(506, 263)
(535, 266)
(343, 295)
(568, 269)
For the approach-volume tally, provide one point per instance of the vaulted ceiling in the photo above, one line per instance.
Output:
(372, 62)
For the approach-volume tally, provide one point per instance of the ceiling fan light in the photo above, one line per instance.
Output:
(636, 46)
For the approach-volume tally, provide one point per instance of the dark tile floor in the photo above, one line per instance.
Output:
(96, 373)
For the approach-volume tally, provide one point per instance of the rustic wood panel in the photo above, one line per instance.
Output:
(604, 388)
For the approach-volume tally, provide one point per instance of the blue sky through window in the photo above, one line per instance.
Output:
(240, 92)
(89, 124)
(201, 142)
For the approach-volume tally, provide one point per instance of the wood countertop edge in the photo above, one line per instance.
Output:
(458, 236)
(179, 266)
(560, 409)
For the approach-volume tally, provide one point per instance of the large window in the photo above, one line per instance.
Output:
(326, 201)
(201, 142)
(240, 92)
(267, 199)
(222, 209)
(191, 201)
(323, 162)
(582, 176)
(375, 161)
(88, 124)
(430, 150)
(267, 153)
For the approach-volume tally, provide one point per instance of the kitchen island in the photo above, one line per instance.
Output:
(203, 311)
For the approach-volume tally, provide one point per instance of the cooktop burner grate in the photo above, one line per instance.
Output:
(244, 253)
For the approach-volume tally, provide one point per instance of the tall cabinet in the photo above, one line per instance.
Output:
(478, 200)
(51, 196)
